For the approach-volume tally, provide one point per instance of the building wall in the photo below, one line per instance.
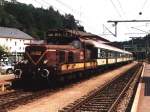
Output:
(14, 45)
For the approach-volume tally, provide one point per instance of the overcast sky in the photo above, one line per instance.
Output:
(93, 14)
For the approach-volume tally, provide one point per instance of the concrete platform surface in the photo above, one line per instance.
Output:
(4, 78)
(142, 98)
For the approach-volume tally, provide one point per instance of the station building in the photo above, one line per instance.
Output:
(14, 41)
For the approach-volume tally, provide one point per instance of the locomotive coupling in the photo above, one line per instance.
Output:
(44, 73)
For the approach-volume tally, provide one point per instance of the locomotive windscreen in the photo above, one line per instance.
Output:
(35, 52)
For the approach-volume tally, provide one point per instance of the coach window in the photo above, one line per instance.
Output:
(99, 53)
(70, 57)
(109, 54)
(113, 54)
(103, 54)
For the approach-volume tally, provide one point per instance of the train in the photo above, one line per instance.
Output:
(67, 52)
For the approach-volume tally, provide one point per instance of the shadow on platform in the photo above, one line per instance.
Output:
(146, 80)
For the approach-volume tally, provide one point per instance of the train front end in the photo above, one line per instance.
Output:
(39, 63)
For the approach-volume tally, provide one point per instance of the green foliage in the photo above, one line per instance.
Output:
(34, 21)
(3, 51)
(7, 19)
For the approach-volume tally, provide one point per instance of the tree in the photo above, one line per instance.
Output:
(69, 22)
(34, 21)
(3, 51)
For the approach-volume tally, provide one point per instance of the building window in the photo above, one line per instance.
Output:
(6, 39)
(15, 43)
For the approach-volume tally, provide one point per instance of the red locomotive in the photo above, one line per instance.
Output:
(66, 52)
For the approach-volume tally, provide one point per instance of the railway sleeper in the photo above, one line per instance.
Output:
(104, 98)
(91, 110)
(98, 103)
(96, 106)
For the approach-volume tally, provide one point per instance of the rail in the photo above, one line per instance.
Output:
(105, 98)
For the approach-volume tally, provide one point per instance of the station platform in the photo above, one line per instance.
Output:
(5, 82)
(142, 98)
(8, 77)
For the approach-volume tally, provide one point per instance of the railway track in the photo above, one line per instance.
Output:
(107, 97)
(13, 99)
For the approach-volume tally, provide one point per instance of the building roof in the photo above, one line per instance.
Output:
(6, 32)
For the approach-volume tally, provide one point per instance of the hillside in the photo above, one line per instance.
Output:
(34, 21)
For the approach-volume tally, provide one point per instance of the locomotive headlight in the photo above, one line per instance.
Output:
(45, 61)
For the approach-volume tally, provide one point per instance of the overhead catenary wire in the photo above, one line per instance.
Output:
(144, 4)
(142, 8)
(38, 2)
(48, 4)
(120, 5)
(68, 7)
(124, 14)
(64, 4)
(116, 9)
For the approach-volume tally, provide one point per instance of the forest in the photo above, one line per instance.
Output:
(34, 21)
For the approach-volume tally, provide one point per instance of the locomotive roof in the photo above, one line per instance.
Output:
(53, 46)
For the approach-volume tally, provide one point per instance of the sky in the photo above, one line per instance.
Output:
(94, 14)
